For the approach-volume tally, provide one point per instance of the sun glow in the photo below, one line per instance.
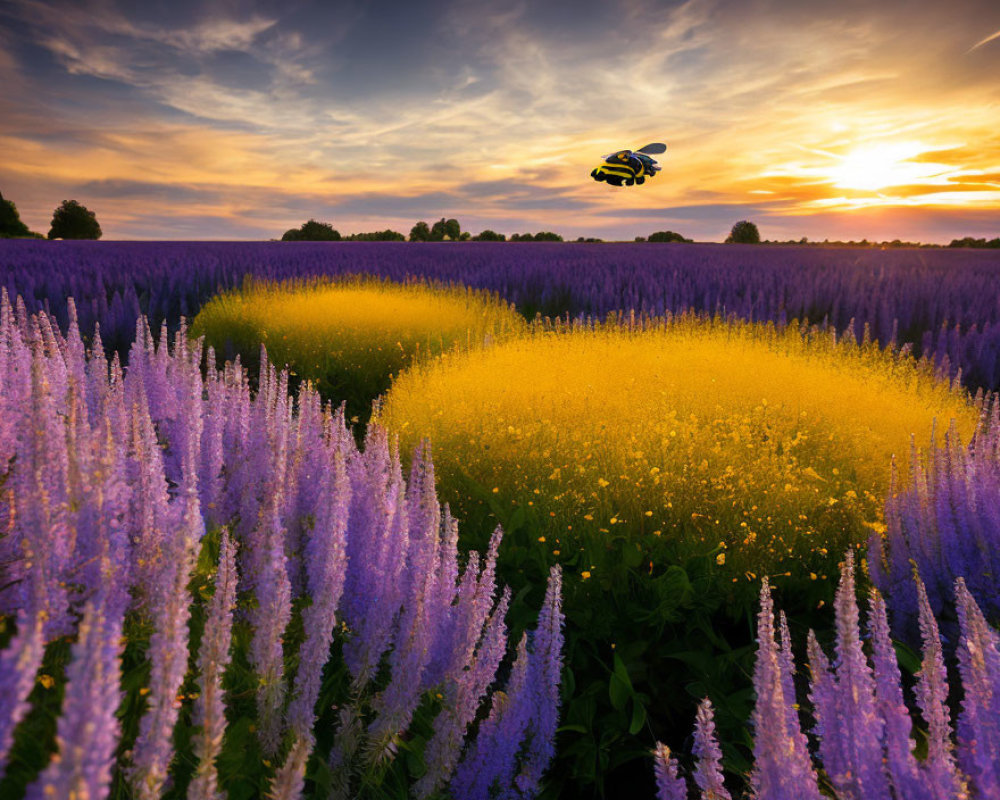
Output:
(875, 167)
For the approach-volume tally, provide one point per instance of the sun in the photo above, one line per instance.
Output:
(874, 167)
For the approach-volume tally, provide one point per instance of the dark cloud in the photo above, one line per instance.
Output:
(171, 193)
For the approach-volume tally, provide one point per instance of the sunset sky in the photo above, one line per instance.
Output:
(237, 120)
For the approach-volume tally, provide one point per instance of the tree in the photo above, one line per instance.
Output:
(420, 232)
(10, 221)
(312, 231)
(744, 232)
(74, 221)
(377, 236)
(667, 236)
(489, 236)
(445, 228)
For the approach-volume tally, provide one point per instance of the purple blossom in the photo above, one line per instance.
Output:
(902, 765)
(708, 775)
(168, 657)
(19, 664)
(546, 656)
(377, 546)
(140, 458)
(461, 698)
(213, 658)
(979, 721)
(848, 727)
(669, 784)
(783, 770)
(88, 729)
(491, 759)
(940, 769)
(946, 525)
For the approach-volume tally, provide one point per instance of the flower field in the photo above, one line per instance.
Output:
(942, 302)
(550, 564)
(168, 539)
(351, 336)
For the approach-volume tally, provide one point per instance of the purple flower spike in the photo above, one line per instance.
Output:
(940, 770)
(213, 658)
(669, 784)
(902, 765)
(461, 699)
(491, 759)
(546, 655)
(708, 775)
(979, 721)
(860, 774)
(19, 664)
(88, 730)
(783, 770)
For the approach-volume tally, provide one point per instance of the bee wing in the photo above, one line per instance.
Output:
(653, 149)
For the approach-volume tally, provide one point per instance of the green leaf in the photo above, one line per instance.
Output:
(619, 691)
(631, 555)
(620, 687)
(573, 728)
(638, 717)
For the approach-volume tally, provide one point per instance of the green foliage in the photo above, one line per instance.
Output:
(11, 226)
(74, 221)
(445, 229)
(312, 231)
(652, 633)
(667, 236)
(969, 241)
(377, 236)
(489, 236)
(541, 236)
(420, 232)
(744, 232)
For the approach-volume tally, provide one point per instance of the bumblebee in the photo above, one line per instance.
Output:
(628, 167)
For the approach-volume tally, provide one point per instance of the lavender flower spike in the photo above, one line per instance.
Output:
(853, 732)
(461, 700)
(940, 770)
(88, 729)
(19, 664)
(213, 658)
(708, 775)
(901, 763)
(669, 784)
(979, 720)
(783, 770)
(546, 655)
(492, 757)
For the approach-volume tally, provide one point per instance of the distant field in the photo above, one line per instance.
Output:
(944, 302)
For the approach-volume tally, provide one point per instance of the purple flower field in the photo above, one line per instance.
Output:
(208, 590)
(167, 539)
(944, 302)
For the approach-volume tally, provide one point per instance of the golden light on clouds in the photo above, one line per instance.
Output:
(806, 118)
(881, 165)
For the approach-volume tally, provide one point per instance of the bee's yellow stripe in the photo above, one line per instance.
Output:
(624, 172)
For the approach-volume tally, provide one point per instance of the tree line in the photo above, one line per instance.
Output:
(69, 221)
(444, 230)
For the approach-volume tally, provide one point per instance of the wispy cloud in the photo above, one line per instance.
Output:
(981, 42)
(494, 114)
